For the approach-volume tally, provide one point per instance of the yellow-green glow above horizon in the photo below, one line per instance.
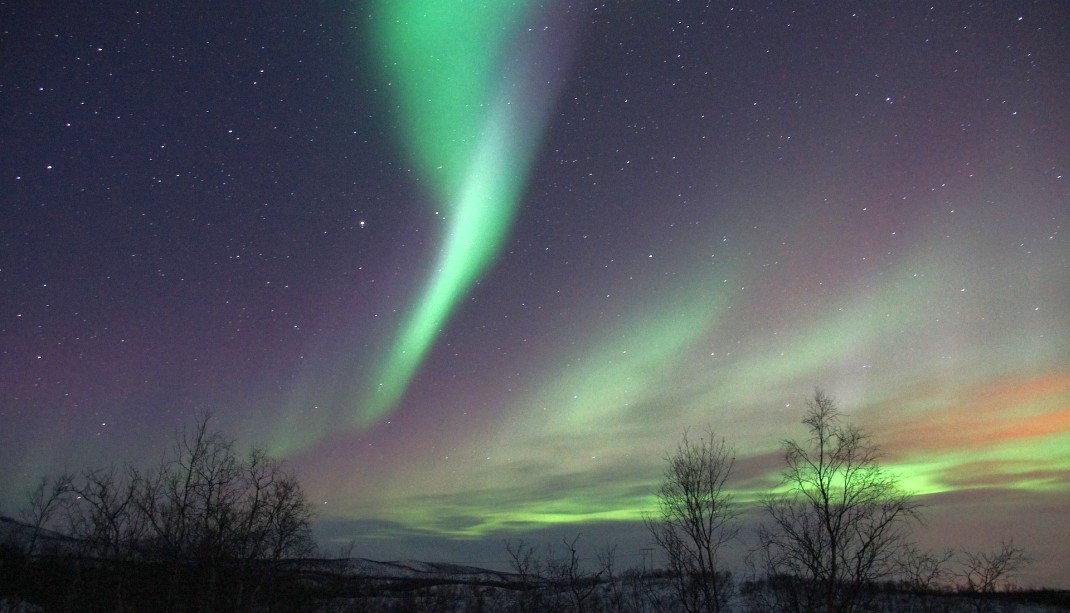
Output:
(610, 481)
(595, 426)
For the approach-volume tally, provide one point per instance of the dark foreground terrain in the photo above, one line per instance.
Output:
(62, 578)
(358, 585)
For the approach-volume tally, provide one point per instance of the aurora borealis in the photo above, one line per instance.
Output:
(472, 268)
(473, 126)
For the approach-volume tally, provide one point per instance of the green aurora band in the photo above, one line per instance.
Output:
(578, 447)
(589, 424)
(471, 128)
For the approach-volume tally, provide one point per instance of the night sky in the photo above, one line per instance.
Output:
(473, 267)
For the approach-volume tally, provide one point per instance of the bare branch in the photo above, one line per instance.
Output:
(985, 572)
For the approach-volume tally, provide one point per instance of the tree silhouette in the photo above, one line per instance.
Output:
(840, 520)
(207, 529)
(695, 518)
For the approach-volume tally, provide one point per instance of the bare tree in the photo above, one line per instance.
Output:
(212, 513)
(840, 521)
(695, 518)
(23, 554)
(566, 573)
(46, 500)
(923, 574)
(984, 572)
(923, 571)
(107, 523)
(207, 527)
(523, 561)
(103, 515)
(607, 560)
(525, 564)
(206, 500)
(555, 582)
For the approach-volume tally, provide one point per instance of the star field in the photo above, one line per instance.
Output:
(472, 268)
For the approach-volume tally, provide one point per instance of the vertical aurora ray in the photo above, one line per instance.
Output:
(473, 97)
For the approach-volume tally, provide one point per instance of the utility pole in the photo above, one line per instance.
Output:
(648, 559)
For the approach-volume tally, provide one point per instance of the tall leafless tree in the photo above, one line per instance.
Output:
(695, 518)
(839, 521)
